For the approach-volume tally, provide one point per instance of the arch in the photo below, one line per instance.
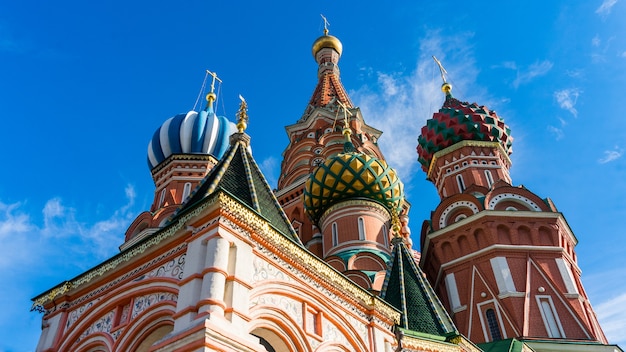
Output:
(546, 237)
(361, 227)
(446, 250)
(278, 329)
(463, 243)
(155, 335)
(147, 328)
(99, 342)
(331, 346)
(366, 261)
(336, 262)
(464, 206)
(492, 322)
(360, 278)
(103, 315)
(480, 238)
(504, 234)
(502, 200)
(523, 235)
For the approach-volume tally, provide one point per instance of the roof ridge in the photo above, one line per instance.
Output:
(407, 290)
(238, 174)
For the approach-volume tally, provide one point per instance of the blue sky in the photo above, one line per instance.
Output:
(83, 85)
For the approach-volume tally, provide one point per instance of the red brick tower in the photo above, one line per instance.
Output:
(501, 258)
(354, 235)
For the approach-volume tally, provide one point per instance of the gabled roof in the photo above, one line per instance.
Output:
(407, 290)
(238, 174)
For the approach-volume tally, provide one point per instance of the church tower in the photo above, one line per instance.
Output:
(349, 190)
(180, 154)
(500, 257)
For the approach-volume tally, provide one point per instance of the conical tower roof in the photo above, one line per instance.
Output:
(407, 289)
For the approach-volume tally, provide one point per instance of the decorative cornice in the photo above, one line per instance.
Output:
(309, 262)
(263, 231)
(465, 143)
(119, 259)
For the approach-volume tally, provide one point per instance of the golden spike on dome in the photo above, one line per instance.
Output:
(395, 223)
(210, 98)
(242, 115)
(445, 87)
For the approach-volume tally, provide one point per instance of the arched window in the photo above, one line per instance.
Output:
(489, 178)
(335, 237)
(492, 321)
(459, 180)
(361, 223)
(186, 191)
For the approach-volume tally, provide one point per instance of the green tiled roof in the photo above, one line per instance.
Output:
(508, 345)
(406, 289)
(238, 174)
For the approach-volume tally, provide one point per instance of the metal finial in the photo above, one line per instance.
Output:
(445, 87)
(242, 115)
(326, 24)
(346, 124)
(210, 97)
(395, 223)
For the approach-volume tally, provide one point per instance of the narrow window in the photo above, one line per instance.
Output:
(492, 321)
(489, 178)
(335, 236)
(361, 229)
(385, 236)
(162, 198)
(459, 180)
(186, 191)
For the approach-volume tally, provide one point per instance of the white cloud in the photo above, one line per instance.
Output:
(595, 41)
(567, 99)
(611, 155)
(606, 7)
(558, 132)
(623, 54)
(400, 102)
(612, 317)
(535, 70)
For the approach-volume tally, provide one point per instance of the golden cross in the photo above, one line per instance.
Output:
(326, 24)
(215, 78)
(346, 111)
(441, 69)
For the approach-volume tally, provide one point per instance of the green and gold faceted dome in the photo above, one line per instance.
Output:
(351, 175)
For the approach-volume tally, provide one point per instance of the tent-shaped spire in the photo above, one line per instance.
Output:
(406, 289)
(238, 174)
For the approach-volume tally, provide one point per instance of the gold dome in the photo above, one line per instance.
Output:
(327, 41)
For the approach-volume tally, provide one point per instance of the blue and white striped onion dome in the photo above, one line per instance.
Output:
(191, 133)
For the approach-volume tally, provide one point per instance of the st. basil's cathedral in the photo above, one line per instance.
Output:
(325, 262)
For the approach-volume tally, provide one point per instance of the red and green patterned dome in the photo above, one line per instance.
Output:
(351, 175)
(459, 121)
